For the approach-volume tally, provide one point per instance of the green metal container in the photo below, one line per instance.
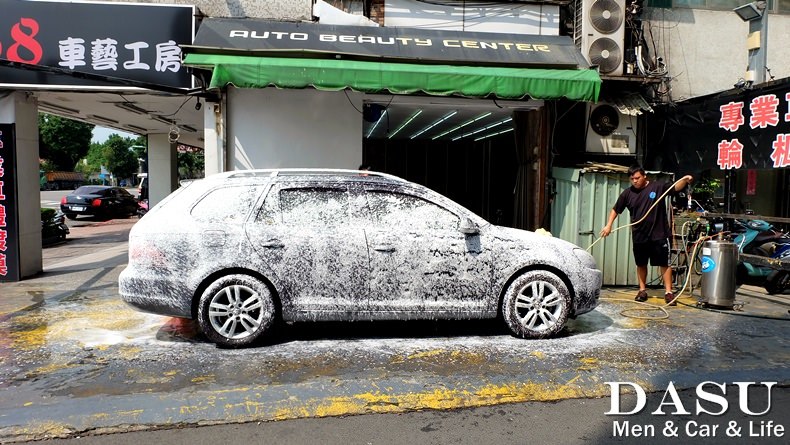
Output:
(579, 211)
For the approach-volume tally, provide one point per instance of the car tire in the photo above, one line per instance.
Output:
(236, 310)
(536, 304)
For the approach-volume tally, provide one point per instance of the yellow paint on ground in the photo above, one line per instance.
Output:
(438, 399)
(588, 364)
(204, 379)
(30, 339)
(539, 354)
(69, 322)
(445, 357)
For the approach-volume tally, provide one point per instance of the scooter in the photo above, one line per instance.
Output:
(53, 226)
(758, 237)
(142, 207)
(779, 280)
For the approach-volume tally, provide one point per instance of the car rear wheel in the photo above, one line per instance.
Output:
(536, 304)
(236, 310)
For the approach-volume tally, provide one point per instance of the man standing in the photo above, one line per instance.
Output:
(651, 235)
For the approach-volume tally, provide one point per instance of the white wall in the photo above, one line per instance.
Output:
(273, 128)
(268, 9)
(705, 51)
(505, 18)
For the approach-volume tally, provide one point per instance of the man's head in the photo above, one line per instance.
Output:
(637, 176)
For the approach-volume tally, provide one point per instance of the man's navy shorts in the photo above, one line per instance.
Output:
(656, 251)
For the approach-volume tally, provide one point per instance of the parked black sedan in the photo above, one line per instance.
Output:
(100, 201)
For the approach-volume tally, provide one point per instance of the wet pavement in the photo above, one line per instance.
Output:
(75, 359)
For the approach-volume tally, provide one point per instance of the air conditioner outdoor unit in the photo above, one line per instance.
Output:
(602, 34)
(609, 131)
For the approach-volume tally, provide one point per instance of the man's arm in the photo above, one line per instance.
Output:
(608, 227)
(683, 182)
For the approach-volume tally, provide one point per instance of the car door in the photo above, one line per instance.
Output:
(420, 260)
(304, 235)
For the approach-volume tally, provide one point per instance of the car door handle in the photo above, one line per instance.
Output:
(273, 244)
(384, 247)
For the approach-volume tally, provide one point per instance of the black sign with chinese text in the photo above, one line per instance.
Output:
(738, 129)
(261, 37)
(9, 225)
(126, 41)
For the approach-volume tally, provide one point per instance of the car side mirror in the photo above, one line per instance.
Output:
(468, 227)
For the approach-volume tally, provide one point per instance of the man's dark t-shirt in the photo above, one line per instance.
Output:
(638, 202)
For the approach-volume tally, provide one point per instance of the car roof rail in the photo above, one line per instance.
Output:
(307, 171)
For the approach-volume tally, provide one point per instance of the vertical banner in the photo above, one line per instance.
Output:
(9, 223)
(751, 182)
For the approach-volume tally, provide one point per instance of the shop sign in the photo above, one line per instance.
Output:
(417, 45)
(130, 42)
(9, 227)
(764, 113)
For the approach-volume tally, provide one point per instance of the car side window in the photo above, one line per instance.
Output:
(398, 210)
(314, 206)
(226, 204)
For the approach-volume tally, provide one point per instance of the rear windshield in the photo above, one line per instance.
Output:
(89, 190)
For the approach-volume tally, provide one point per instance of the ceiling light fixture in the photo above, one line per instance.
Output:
(408, 121)
(373, 128)
(103, 119)
(495, 124)
(163, 119)
(470, 121)
(449, 115)
(130, 106)
(136, 128)
(494, 134)
(58, 108)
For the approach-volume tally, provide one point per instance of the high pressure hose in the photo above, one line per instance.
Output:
(690, 262)
(651, 306)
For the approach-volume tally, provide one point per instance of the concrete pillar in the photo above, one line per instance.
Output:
(162, 168)
(214, 139)
(21, 108)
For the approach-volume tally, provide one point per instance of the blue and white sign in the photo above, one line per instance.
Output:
(708, 265)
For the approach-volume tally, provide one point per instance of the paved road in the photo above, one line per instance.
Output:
(74, 359)
(574, 421)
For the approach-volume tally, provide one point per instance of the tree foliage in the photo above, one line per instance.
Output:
(117, 155)
(121, 159)
(63, 142)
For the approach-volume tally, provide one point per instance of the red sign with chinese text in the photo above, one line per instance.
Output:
(9, 226)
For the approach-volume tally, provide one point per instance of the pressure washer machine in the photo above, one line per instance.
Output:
(719, 261)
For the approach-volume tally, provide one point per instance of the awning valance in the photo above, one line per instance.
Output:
(398, 78)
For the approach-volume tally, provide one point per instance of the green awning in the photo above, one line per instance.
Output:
(398, 78)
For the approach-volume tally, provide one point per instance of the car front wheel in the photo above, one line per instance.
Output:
(536, 304)
(235, 310)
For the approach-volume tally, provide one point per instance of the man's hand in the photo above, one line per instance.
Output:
(607, 229)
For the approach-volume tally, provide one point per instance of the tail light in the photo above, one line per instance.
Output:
(144, 253)
(63, 200)
(96, 203)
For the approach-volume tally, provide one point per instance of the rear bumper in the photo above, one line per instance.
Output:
(156, 295)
